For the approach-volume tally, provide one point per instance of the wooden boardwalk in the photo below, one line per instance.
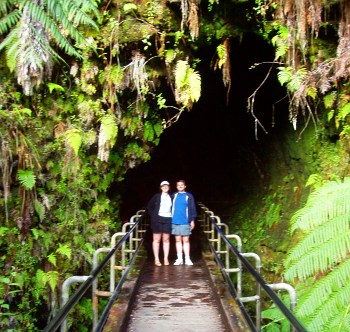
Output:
(177, 298)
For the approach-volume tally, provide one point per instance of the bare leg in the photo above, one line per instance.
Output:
(186, 245)
(166, 247)
(178, 245)
(155, 246)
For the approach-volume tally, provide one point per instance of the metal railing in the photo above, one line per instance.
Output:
(130, 240)
(221, 246)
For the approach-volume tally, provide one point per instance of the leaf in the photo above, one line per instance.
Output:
(344, 111)
(65, 250)
(195, 85)
(284, 75)
(129, 7)
(26, 178)
(54, 86)
(39, 209)
(52, 279)
(52, 259)
(109, 128)
(3, 230)
(148, 133)
(74, 139)
(330, 115)
(181, 73)
(329, 99)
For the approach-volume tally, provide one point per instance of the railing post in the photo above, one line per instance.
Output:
(239, 263)
(65, 294)
(258, 287)
(95, 285)
(292, 295)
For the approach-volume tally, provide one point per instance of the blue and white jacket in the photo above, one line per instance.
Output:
(191, 211)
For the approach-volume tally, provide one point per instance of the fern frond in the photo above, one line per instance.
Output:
(39, 209)
(194, 81)
(323, 288)
(37, 14)
(64, 250)
(110, 128)
(107, 136)
(331, 312)
(26, 178)
(320, 258)
(323, 204)
(10, 20)
(321, 234)
(188, 84)
(76, 12)
(40, 278)
(52, 279)
(74, 139)
(181, 73)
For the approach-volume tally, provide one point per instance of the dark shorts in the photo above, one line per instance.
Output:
(162, 225)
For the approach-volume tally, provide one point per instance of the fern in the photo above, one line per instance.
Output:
(26, 178)
(52, 259)
(42, 278)
(10, 20)
(109, 128)
(107, 136)
(332, 198)
(320, 260)
(52, 279)
(188, 84)
(74, 139)
(34, 27)
(323, 288)
(39, 209)
(64, 250)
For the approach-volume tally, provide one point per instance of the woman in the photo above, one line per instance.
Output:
(159, 209)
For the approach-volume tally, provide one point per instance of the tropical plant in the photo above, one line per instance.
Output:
(307, 65)
(33, 26)
(319, 263)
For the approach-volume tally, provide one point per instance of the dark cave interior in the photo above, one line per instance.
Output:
(213, 147)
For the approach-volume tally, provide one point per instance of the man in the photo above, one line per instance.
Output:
(184, 214)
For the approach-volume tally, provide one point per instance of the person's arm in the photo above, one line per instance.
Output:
(192, 211)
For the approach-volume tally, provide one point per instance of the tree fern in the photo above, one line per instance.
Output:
(34, 25)
(323, 288)
(320, 260)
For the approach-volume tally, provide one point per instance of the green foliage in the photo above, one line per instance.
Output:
(320, 260)
(74, 139)
(30, 25)
(293, 80)
(26, 178)
(109, 129)
(273, 318)
(53, 86)
(188, 84)
(280, 41)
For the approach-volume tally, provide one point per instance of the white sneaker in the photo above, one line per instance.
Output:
(188, 262)
(179, 261)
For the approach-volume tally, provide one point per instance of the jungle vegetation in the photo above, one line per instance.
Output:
(87, 88)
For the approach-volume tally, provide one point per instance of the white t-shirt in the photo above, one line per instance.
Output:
(165, 206)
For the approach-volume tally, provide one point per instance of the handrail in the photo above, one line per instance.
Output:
(60, 317)
(213, 236)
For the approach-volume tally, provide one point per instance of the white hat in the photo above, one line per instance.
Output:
(163, 183)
